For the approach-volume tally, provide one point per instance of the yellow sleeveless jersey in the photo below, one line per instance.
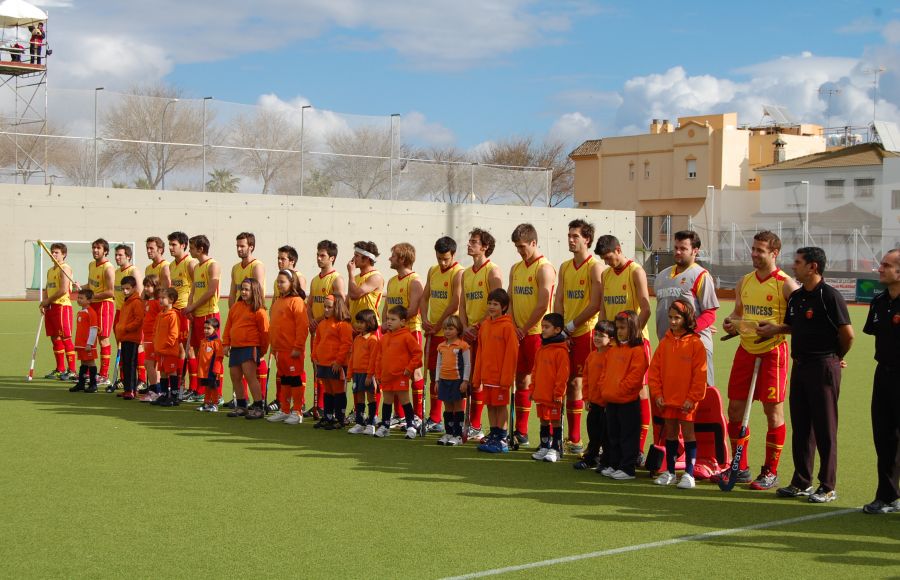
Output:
(524, 297)
(370, 301)
(763, 300)
(576, 283)
(320, 287)
(441, 283)
(276, 293)
(240, 273)
(97, 278)
(155, 269)
(120, 274)
(182, 281)
(56, 280)
(398, 294)
(201, 284)
(619, 292)
(476, 289)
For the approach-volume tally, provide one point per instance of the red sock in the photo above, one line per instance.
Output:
(523, 410)
(734, 434)
(398, 411)
(436, 405)
(296, 398)
(477, 409)
(645, 421)
(70, 353)
(104, 360)
(574, 410)
(59, 353)
(378, 396)
(194, 368)
(142, 371)
(419, 397)
(262, 375)
(282, 395)
(320, 394)
(774, 444)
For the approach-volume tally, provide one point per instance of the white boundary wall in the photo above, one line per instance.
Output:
(32, 212)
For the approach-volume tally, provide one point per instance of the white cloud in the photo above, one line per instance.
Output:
(573, 128)
(416, 129)
(891, 32)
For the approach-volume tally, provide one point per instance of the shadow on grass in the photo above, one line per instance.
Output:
(506, 478)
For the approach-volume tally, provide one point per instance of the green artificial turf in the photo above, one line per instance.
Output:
(95, 486)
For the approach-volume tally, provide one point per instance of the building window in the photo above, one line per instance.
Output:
(691, 167)
(647, 170)
(795, 194)
(895, 199)
(865, 188)
(647, 231)
(631, 172)
(665, 228)
(834, 188)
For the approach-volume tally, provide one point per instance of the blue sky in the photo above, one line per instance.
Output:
(465, 72)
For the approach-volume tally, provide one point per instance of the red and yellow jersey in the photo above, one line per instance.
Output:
(85, 320)
(476, 289)
(97, 278)
(763, 300)
(117, 289)
(398, 295)
(201, 283)
(182, 281)
(56, 280)
(276, 293)
(576, 286)
(441, 283)
(524, 296)
(370, 301)
(155, 269)
(239, 273)
(319, 288)
(619, 292)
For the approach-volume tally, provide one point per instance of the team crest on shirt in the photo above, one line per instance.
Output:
(581, 282)
(683, 280)
(624, 287)
(895, 319)
(529, 278)
(809, 314)
(769, 297)
(446, 284)
(480, 284)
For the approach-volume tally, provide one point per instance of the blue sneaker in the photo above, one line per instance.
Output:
(494, 446)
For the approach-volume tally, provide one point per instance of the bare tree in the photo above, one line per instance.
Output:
(445, 177)
(269, 146)
(31, 152)
(358, 162)
(527, 187)
(75, 159)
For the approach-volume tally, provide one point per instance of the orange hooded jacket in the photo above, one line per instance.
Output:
(398, 353)
(167, 334)
(678, 370)
(551, 371)
(246, 328)
(362, 352)
(289, 327)
(332, 342)
(498, 353)
(131, 320)
(593, 374)
(623, 377)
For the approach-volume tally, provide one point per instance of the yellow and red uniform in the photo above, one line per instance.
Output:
(201, 281)
(182, 282)
(550, 377)
(119, 295)
(86, 319)
(58, 316)
(245, 327)
(476, 287)
(495, 362)
(289, 331)
(440, 283)
(167, 339)
(369, 301)
(523, 300)
(593, 373)
(332, 343)
(131, 320)
(155, 269)
(361, 353)
(104, 307)
(623, 376)
(678, 374)
(319, 288)
(240, 272)
(397, 357)
(398, 295)
(577, 288)
(151, 312)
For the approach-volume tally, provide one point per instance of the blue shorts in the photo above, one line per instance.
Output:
(448, 390)
(241, 354)
(359, 384)
(326, 373)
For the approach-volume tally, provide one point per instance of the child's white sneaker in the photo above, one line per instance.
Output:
(382, 431)
(356, 429)
(212, 409)
(277, 417)
(686, 482)
(552, 456)
(540, 453)
(369, 430)
(411, 433)
(620, 475)
(444, 438)
(294, 419)
(608, 471)
(202, 408)
(453, 441)
(665, 478)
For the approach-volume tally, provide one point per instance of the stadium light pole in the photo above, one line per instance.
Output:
(806, 219)
(96, 154)
(162, 139)
(203, 177)
(302, 116)
(397, 115)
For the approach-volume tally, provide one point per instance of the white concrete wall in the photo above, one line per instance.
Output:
(32, 212)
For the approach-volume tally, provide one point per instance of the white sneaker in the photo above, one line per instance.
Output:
(382, 431)
(444, 438)
(665, 478)
(369, 430)
(277, 417)
(411, 433)
(608, 471)
(212, 409)
(620, 475)
(552, 456)
(294, 419)
(202, 408)
(453, 441)
(356, 429)
(540, 453)
(686, 482)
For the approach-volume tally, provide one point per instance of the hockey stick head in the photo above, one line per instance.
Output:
(728, 483)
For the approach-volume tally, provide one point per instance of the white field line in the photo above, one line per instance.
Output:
(650, 545)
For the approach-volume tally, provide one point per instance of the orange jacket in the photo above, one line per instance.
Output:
(167, 335)
(497, 354)
(362, 351)
(398, 351)
(246, 328)
(678, 370)
(623, 377)
(210, 357)
(151, 311)
(289, 328)
(332, 342)
(131, 320)
(551, 372)
(593, 373)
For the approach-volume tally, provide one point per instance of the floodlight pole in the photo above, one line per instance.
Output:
(392, 152)
(806, 219)
(96, 154)
(162, 134)
(203, 177)
(302, 115)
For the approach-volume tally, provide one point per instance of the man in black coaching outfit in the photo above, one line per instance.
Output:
(883, 322)
(818, 320)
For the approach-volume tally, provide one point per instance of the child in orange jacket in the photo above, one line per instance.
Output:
(150, 297)
(598, 443)
(331, 350)
(548, 383)
(86, 329)
(396, 359)
(288, 333)
(361, 354)
(677, 385)
(245, 340)
(495, 368)
(168, 344)
(128, 334)
(210, 370)
(620, 388)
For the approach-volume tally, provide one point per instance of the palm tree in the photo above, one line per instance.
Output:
(222, 181)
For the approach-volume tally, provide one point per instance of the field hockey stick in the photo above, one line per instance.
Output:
(116, 367)
(37, 339)
(467, 422)
(562, 428)
(315, 407)
(510, 431)
(422, 429)
(187, 355)
(729, 483)
(55, 261)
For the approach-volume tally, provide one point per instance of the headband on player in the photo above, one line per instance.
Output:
(363, 252)
(287, 273)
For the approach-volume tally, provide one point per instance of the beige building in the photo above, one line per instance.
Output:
(692, 173)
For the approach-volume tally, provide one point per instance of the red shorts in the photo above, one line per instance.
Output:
(395, 386)
(528, 348)
(169, 365)
(183, 324)
(771, 382)
(86, 354)
(675, 413)
(433, 343)
(116, 323)
(149, 351)
(58, 321)
(417, 334)
(197, 333)
(287, 365)
(495, 396)
(106, 313)
(549, 412)
(579, 349)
